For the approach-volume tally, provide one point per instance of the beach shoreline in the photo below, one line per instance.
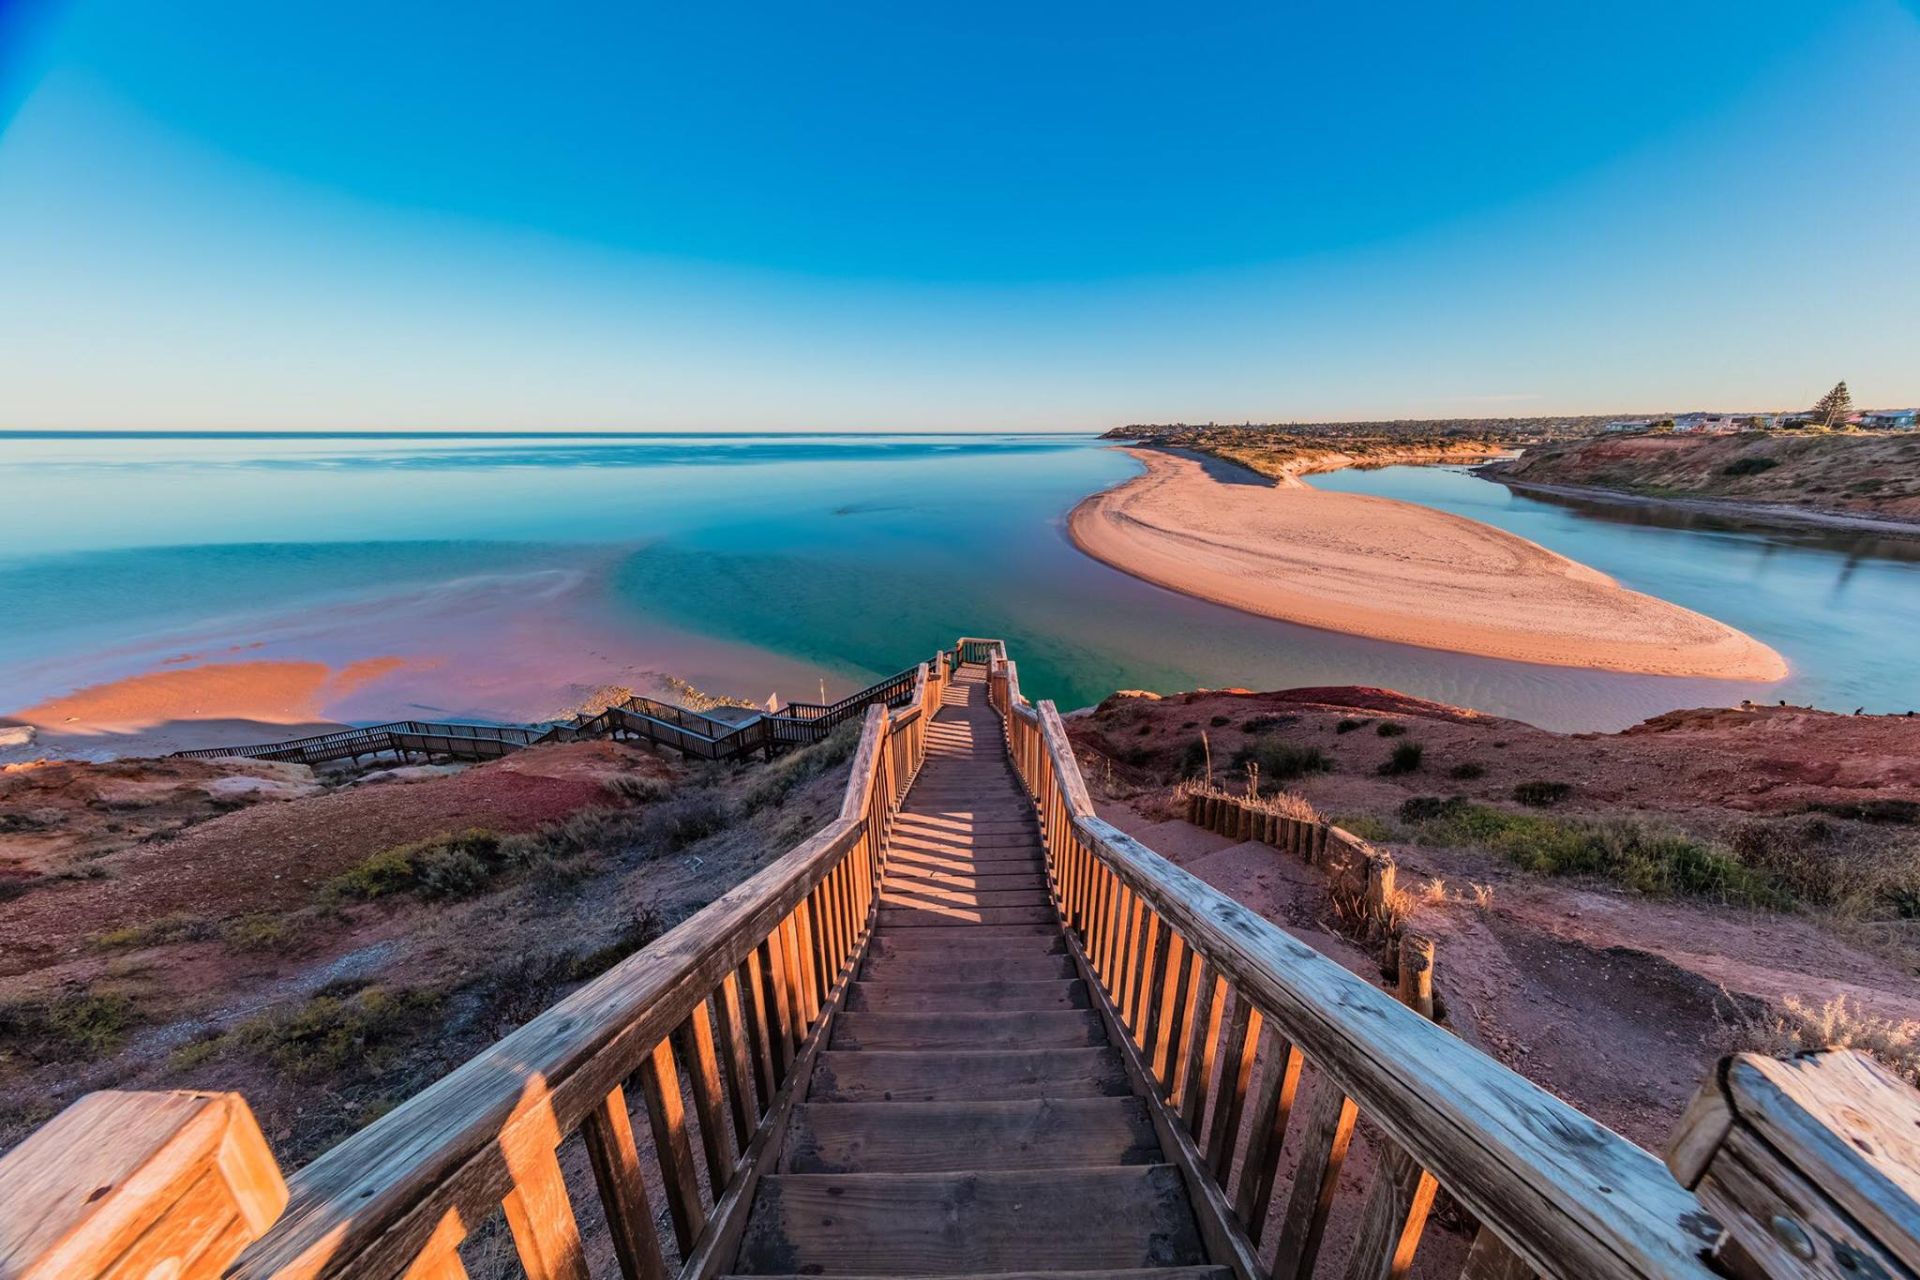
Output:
(1758, 515)
(1394, 571)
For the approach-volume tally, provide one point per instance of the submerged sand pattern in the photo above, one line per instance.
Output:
(1396, 571)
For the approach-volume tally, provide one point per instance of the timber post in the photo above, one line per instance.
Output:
(1812, 1163)
(137, 1184)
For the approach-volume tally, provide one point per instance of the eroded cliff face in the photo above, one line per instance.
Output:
(1870, 474)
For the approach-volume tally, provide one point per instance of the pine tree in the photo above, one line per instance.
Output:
(1834, 408)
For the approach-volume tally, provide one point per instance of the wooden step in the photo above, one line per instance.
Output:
(964, 997)
(1026, 1029)
(914, 877)
(954, 916)
(869, 1075)
(974, 940)
(927, 856)
(917, 966)
(910, 893)
(943, 1223)
(945, 1137)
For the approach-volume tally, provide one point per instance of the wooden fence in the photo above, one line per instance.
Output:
(1196, 987)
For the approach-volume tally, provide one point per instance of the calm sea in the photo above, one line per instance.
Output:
(842, 557)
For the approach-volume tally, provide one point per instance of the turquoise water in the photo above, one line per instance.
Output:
(849, 555)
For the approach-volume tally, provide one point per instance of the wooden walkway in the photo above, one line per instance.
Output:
(968, 1114)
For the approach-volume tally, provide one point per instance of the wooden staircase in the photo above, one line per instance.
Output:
(968, 1114)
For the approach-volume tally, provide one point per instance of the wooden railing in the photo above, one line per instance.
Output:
(1196, 986)
(470, 740)
(734, 999)
(691, 733)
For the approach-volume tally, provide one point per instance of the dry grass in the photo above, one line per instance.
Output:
(1287, 804)
(1799, 1025)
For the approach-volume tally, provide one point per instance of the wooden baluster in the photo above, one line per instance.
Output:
(819, 939)
(1113, 930)
(439, 1258)
(703, 1073)
(760, 1029)
(540, 1215)
(742, 1102)
(1152, 990)
(660, 1082)
(1394, 1216)
(1127, 980)
(1323, 1149)
(799, 1018)
(1237, 1042)
(608, 1131)
(1200, 1053)
(1137, 968)
(1180, 1051)
(802, 965)
(1271, 1108)
(1166, 1052)
(1106, 889)
(1491, 1258)
(780, 1029)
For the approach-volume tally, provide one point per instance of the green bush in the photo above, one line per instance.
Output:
(1749, 466)
(1390, 729)
(1405, 759)
(1267, 724)
(1649, 860)
(442, 866)
(681, 822)
(1281, 761)
(1428, 808)
(1349, 725)
(1467, 770)
(78, 1024)
(332, 1032)
(1219, 721)
(1542, 794)
(154, 933)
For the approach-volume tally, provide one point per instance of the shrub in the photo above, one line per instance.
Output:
(1193, 760)
(78, 1024)
(681, 822)
(441, 866)
(264, 933)
(1349, 725)
(1428, 808)
(1749, 466)
(333, 1031)
(639, 788)
(1280, 761)
(1904, 812)
(1649, 860)
(1540, 794)
(780, 778)
(1467, 770)
(1390, 729)
(1267, 724)
(1218, 721)
(155, 933)
(1405, 759)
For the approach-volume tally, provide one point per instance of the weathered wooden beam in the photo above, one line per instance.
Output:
(172, 1184)
(1811, 1162)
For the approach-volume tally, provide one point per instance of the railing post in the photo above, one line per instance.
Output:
(1812, 1163)
(137, 1184)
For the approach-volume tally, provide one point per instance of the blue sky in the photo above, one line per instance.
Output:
(221, 214)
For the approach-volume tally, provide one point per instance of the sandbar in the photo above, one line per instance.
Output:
(1395, 571)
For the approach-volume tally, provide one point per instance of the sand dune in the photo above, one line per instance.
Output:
(1395, 571)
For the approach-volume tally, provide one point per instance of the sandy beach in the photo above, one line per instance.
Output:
(1395, 571)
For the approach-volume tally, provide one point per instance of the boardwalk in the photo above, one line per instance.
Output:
(968, 1113)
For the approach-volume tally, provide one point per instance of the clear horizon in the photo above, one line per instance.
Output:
(216, 216)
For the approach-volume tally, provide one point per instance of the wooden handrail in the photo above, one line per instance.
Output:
(770, 952)
(1564, 1193)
